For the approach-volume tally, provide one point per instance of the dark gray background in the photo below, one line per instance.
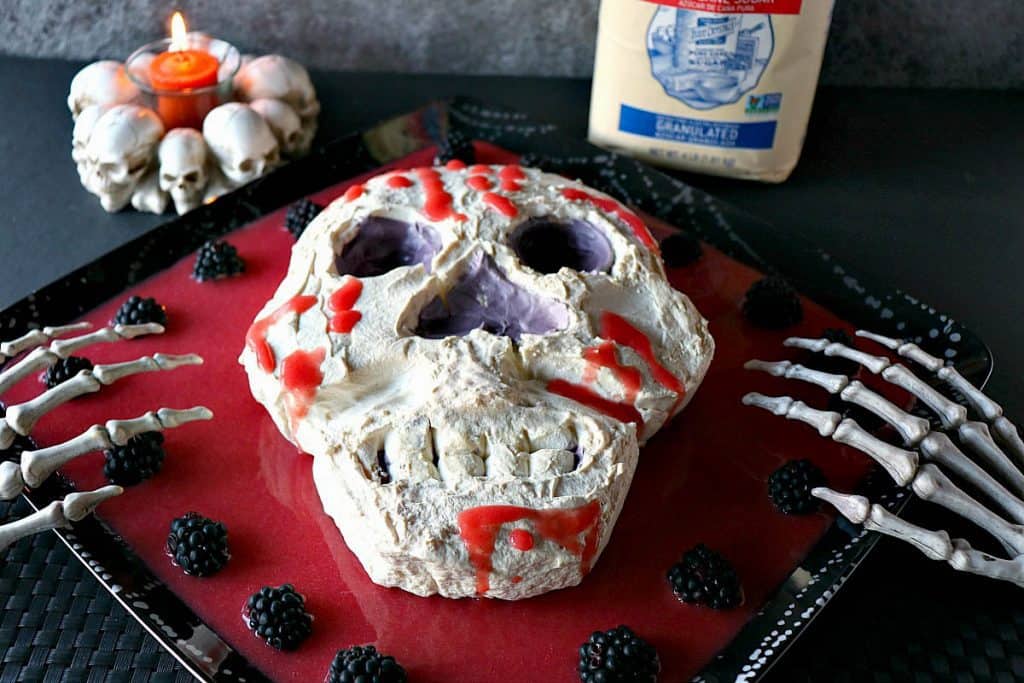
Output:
(924, 43)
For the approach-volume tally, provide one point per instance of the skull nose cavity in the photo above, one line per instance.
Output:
(483, 298)
(548, 244)
(384, 244)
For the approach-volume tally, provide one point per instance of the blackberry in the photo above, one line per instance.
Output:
(63, 370)
(198, 545)
(703, 577)
(136, 461)
(217, 260)
(772, 303)
(618, 656)
(455, 146)
(138, 311)
(299, 216)
(18, 446)
(790, 486)
(832, 364)
(680, 249)
(279, 616)
(363, 664)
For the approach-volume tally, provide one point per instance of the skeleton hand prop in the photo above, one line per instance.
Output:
(45, 347)
(993, 470)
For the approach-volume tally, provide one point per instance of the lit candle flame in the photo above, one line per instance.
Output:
(179, 33)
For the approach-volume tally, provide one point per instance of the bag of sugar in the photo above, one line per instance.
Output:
(714, 86)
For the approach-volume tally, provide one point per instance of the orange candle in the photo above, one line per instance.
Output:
(178, 71)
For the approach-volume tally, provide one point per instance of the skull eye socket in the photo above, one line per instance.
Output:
(192, 177)
(245, 166)
(384, 244)
(549, 244)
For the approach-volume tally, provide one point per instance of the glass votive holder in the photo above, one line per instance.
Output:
(185, 107)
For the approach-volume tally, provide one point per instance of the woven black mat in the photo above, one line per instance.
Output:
(57, 623)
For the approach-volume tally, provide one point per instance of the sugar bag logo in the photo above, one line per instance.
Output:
(708, 60)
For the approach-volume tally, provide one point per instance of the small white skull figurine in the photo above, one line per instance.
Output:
(241, 141)
(183, 172)
(285, 123)
(84, 124)
(121, 149)
(279, 78)
(105, 82)
(471, 356)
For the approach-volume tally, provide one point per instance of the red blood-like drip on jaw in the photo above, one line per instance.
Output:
(603, 355)
(341, 303)
(256, 337)
(502, 205)
(508, 176)
(623, 412)
(437, 203)
(618, 329)
(399, 181)
(354, 192)
(479, 168)
(479, 529)
(479, 183)
(613, 207)
(455, 165)
(301, 377)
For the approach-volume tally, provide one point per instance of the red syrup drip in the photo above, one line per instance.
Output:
(256, 337)
(301, 377)
(623, 412)
(455, 165)
(508, 176)
(479, 183)
(520, 539)
(613, 207)
(480, 168)
(502, 205)
(399, 182)
(479, 529)
(354, 192)
(341, 303)
(603, 355)
(618, 329)
(437, 203)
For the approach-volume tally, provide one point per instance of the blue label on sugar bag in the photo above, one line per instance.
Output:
(756, 135)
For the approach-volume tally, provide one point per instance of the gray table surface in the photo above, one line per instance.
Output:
(923, 189)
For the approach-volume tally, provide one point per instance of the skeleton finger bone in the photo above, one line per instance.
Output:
(33, 338)
(38, 465)
(56, 515)
(940, 449)
(22, 417)
(44, 356)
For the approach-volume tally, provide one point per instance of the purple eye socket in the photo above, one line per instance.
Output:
(549, 244)
(384, 244)
(484, 298)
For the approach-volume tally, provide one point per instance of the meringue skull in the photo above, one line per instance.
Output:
(472, 356)
(119, 152)
(183, 175)
(241, 142)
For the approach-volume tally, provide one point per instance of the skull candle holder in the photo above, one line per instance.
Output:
(130, 148)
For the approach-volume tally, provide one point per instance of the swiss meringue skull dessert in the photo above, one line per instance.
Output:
(472, 356)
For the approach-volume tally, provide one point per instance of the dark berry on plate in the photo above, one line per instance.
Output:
(680, 249)
(618, 656)
(279, 616)
(363, 664)
(64, 369)
(198, 545)
(136, 461)
(773, 304)
(832, 364)
(217, 260)
(299, 215)
(138, 311)
(790, 486)
(18, 446)
(703, 577)
(455, 146)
